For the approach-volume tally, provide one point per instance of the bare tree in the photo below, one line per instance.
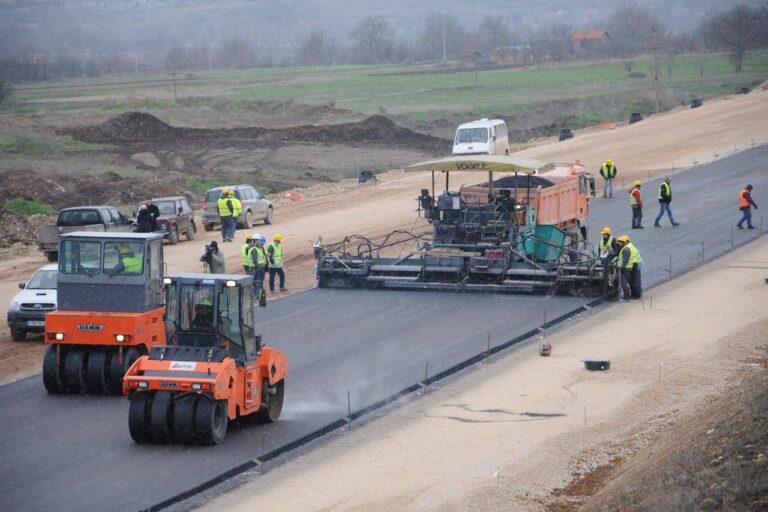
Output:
(631, 28)
(443, 37)
(628, 65)
(737, 31)
(675, 45)
(316, 49)
(236, 53)
(552, 41)
(493, 32)
(374, 40)
(6, 90)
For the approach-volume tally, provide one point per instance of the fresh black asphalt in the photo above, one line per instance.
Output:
(60, 452)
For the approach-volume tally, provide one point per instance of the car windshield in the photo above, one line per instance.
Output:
(468, 135)
(212, 196)
(196, 308)
(43, 280)
(165, 207)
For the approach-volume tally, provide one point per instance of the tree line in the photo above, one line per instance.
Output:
(630, 30)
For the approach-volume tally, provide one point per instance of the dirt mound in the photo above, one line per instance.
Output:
(138, 127)
(127, 127)
(15, 228)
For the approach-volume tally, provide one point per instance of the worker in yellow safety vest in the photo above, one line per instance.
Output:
(131, 264)
(260, 266)
(630, 267)
(275, 254)
(237, 207)
(607, 247)
(245, 251)
(226, 209)
(608, 172)
(636, 202)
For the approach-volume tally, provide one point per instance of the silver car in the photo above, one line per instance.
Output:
(255, 207)
(26, 312)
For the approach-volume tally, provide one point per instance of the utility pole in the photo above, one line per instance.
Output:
(444, 40)
(176, 98)
(655, 30)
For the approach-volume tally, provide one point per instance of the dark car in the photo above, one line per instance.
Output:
(176, 217)
(255, 207)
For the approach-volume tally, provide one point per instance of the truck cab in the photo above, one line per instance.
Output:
(482, 137)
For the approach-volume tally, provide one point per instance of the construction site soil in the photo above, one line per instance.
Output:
(139, 127)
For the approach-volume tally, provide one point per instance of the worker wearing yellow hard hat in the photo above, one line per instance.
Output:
(608, 172)
(275, 253)
(630, 269)
(245, 254)
(607, 247)
(636, 202)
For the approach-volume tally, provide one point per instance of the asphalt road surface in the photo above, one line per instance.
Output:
(63, 452)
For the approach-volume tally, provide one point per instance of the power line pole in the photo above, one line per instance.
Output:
(655, 30)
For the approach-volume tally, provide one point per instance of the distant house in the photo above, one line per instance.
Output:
(517, 54)
(588, 42)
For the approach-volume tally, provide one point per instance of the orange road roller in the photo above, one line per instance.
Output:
(215, 368)
(110, 310)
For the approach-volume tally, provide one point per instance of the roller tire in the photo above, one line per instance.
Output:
(96, 376)
(117, 372)
(191, 232)
(274, 403)
(51, 374)
(211, 421)
(138, 417)
(173, 235)
(74, 371)
(184, 419)
(161, 417)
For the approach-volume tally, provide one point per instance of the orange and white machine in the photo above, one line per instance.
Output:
(110, 310)
(215, 368)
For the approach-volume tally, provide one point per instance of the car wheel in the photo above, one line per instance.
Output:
(208, 227)
(248, 220)
(52, 256)
(173, 235)
(270, 216)
(18, 334)
(191, 232)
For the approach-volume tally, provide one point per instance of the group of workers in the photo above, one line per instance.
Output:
(229, 208)
(621, 252)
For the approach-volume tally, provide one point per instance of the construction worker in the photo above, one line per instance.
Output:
(636, 202)
(213, 259)
(260, 266)
(225, 208)
(607, 247)
(237, 207)
(630, 271)
(129, 262)
(745, 205)
(245, 253)
(665, 197)
(275, 255)
(608, 172)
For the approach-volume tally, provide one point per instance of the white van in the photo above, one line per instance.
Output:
(483, 137)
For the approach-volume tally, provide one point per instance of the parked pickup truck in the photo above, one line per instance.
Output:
(80, 218)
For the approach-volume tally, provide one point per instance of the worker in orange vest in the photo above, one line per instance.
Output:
(636, 202)
(745, 205)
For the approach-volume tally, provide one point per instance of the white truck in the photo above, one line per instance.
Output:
(482, 137)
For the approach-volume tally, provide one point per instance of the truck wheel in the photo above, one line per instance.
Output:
(160, 417)
(274, 402)
(173, 235)
(51, 374)
(208, 227)
(184, 419)
(137, 417)
(18, 334)
(270, 216)
(191, 231)
(52, 256)
(74, 370)
(96, 375)
(211, 420)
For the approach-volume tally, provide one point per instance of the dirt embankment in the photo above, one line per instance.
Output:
(138, 127)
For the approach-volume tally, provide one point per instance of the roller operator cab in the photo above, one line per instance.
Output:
(482, 137)
(215, 368)
(110, 310)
